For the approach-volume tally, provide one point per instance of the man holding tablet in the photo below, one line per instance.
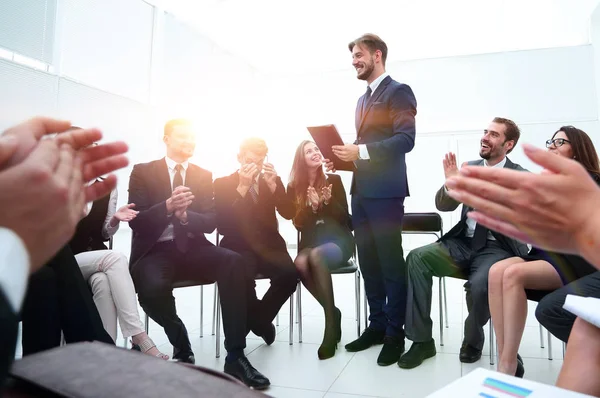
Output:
(385, 132)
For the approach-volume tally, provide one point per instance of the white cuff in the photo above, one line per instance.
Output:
(363, 152)
(14, 267)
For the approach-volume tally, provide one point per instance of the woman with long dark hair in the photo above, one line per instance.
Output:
(326, 240)
(540, 269)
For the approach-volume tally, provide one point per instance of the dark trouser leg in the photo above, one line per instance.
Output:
(279, 267)
(370, 268)
(477, 291)
(79, 316)
(153, 277)
(423, 264)
(550, 312)
(227, 268)
(40, 313)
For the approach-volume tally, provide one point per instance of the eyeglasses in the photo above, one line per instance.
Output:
(556, 142)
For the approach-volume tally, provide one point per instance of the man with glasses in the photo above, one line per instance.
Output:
(246, 203)
(467, 251)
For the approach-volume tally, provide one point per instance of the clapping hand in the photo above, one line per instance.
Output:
(326, 193)
(313, 198)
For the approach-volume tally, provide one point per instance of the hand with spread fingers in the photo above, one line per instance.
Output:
(556, 210)
(38, 174)
(95, 160)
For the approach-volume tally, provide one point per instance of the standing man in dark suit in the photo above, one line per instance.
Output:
(176, 208)
(385, 133)
(246, 203)
(467, 251)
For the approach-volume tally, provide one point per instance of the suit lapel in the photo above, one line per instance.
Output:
(372, 99)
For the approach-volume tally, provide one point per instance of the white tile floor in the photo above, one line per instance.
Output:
(295, 371)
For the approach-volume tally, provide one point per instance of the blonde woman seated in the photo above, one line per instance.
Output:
(107, 272)
(540, 270)
(326, 240)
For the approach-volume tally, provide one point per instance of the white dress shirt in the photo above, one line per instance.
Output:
(363, 153)
(14, 267)
(168, 233)
(472, 223)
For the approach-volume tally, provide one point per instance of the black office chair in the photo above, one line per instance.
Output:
(429, 224)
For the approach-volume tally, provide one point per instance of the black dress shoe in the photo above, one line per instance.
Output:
(242, 370)
(519, 359)
(390, 353)
(469, 354)
(367, 339)
(269, 334)
(186, 358)
(417, 354)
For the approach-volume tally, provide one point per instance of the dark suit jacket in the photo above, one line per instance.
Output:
(248, 226)
(387, 127)
(444, 202)
(8, 337)
(149, 189)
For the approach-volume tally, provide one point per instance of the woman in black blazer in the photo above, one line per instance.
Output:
(326, 240)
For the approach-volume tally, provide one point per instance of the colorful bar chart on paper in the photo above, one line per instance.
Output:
(505, 388)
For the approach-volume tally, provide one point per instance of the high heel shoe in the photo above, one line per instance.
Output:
(145, 346)
(327, 350)
(338, 324)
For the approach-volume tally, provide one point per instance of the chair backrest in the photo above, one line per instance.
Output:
(423, 223)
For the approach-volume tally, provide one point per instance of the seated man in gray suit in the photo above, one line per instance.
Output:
(467, 251)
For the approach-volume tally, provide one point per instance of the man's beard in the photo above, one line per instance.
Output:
(368, 69)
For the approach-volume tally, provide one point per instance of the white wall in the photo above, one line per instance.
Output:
(457, 97)
(126, 67)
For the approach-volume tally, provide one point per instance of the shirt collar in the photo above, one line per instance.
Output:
(171, 164)
(499, 165)
(375, 83)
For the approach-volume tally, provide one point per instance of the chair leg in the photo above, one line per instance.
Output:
(445, 301)
(357, 301)
(124, 342)
(292, 319)
(441, 313)
(549, 345)
(277, 319)
(299, 312)
(214, 309)
(541, 337)
(492, 342)
(201, 311)
(218, 339)
(147, 323)
(366, 305)
(564, 346)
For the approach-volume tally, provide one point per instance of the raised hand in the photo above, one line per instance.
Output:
(270, 176)
(126, 213)
(326, 193)
(313, 197)
(450, 167)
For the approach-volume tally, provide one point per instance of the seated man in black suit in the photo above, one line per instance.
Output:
(467, 251)
(176, 208)
(246, 202)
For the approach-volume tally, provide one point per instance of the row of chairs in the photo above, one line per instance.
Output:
(413, 223)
